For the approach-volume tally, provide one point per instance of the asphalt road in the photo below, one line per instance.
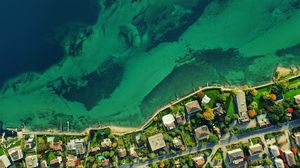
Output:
(223, 142)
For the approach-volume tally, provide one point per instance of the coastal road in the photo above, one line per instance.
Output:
(222, 143)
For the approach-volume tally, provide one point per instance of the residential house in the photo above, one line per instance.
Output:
(106, 143)
(169, 121)
(156, 141)
(297, 99)
(217, 131)
(279, 163)
(274, 150)
(218, 110)
(15, 153)
(77, 145)
(199, 161)
(180, 119)
(4, 161)
(205, 99)
(44, 164)
(177, 142)
(71, 161)
(202, 132)
(255, 149)
(192, 107)
(290, 157)
(132, 151)
(282, 139)
(297, 138)
(56, 146)
(217, 163)
(29, 144)
(262, 120)
(241, 106)
(122, 152)
(236, 156)
(32, 161)
(56, 162)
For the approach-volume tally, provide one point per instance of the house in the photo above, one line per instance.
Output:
(56, 162)
(180, 119)
(236, 156)
(77, 145)
(297, 99)
(192, 107)
(29, 143)
(106, 143)
(290, 157)
(15, 153)
(218, 110)
(297, 138)
(122, 152)
(279, 163)
(71, 161)
(202, 132)
(241, 106)
(44, 164)
(177, 142)
(4, 161)
(217, 163)
(32, 161)
(132, 151)
(289, 112)
(199, 161)
(169, 121)
(282, 139)
(217, 131)
(56, 146)
(274, 150)
(262, 120)
(156, 141)
(256, 149)
(205, 99)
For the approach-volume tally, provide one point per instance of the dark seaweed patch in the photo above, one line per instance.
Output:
(210, 65)
(294, 50)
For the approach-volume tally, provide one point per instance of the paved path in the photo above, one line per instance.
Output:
(223, 142)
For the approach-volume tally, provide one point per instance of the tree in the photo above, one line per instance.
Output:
(209, 114)
(201, 94)
(280, 87)
(253, 106)
(221, 98)
(266, 96)
(251, 113)
(253, 92)
(273, 97)
(213, 138)
(267, 161)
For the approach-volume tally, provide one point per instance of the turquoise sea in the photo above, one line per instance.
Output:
(99, 62)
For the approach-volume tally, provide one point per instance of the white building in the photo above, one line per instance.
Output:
(169, 121)
(32, 161)
(290, 157)
(4, 161)
(205, 99)
(274, 150)
(279, 163)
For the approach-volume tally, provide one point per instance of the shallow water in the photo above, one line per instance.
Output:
(139, 55)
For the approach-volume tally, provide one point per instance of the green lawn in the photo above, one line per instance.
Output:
(291, 93)
(230, 106)
(213, 94)
(2, 151)
(218, 155)
(188, 138)
(258, 99)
